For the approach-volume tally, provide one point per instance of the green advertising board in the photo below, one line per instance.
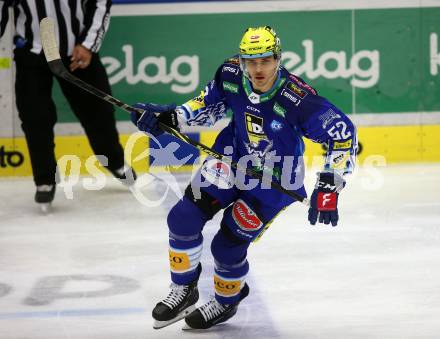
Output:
(365, 61)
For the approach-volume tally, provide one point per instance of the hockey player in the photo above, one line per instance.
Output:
(272, 110)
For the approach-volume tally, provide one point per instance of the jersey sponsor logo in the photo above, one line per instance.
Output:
(259, 145)
(278, 109)
(226, 288)
(295, 89)
(197, 103)
(244, 234)
(302, 84)
(179, 261)
(218, 173)
(326, 201)
(251, 108)
(254, 98)
(276, 125)
(234, 61)
(254, 127)
(227, 86)
(245, 217)
(289, 96)
(261, 150)
(233, 70)
(327, 117)
(342, 144)
(339, 159)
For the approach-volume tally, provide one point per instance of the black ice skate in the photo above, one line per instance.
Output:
(213, 313)
(125, 174)
(44, 196)
(177, 305)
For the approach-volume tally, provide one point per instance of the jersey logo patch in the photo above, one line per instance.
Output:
(230, 87)
(289, 96)
(226, 288)
(197, 103)
(297, 90)
(233, 70)
(276, 125)
(245, 217)
(254, 98)
(218, 173)
(179, 261)
(343, 144)
(279, 110)
(234, 61)
(326, 201)
(303, 84)
(327, 117)
(339, 159)
(254, 127)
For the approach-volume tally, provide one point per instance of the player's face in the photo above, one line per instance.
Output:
(262, 72)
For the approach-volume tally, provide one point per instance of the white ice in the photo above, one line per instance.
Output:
(96, 265)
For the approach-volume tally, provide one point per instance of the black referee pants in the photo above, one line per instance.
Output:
(33, 88)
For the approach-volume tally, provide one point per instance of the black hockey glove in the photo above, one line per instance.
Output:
(324, 199)
(149, 121)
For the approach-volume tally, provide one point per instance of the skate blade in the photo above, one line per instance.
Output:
(45, 207)
(188, 328)
(161, 324)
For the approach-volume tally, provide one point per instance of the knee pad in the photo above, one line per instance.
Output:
(243, 221)
(185, 219)
(227, 249)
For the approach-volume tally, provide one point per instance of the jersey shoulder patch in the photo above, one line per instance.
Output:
(233, 61)
(227, 70)
(230, 70)
(299, 84)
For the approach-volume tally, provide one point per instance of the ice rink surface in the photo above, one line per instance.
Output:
(96, 265)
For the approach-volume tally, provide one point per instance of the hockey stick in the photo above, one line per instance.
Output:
(47, 31)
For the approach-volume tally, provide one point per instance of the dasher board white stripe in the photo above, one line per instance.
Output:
(264, 6)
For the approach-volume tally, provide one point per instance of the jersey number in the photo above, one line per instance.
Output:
(339, 131)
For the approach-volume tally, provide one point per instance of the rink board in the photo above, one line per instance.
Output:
(382, 144)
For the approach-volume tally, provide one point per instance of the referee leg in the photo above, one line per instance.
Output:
(96, 116)
(33, 90)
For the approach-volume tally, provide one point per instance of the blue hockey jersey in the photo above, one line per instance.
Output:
(268, 129)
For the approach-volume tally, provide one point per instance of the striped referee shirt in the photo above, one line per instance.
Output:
(77, 22)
